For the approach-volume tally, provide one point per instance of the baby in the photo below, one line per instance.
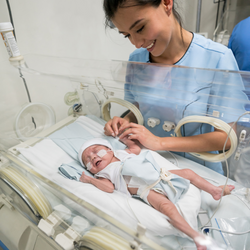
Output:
(133, 172)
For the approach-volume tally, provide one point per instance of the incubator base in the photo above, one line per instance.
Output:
(21, 234)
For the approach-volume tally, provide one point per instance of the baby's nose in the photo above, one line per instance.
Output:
(93, 156)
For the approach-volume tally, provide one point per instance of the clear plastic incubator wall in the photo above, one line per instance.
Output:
(43, 205)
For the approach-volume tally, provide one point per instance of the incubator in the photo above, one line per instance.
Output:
(42, 203)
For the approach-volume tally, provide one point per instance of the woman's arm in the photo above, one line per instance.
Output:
(198, 143)
(101, 183)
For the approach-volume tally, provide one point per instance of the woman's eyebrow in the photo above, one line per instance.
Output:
(133, 25)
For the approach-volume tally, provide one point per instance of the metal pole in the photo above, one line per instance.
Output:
(198, 18)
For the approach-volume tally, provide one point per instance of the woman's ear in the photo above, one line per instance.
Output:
(168, 5)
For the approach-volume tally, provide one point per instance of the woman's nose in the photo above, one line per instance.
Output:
(137, 41)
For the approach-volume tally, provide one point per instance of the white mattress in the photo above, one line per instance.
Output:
(46, 157)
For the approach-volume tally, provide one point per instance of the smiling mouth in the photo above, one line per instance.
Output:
(151, 45)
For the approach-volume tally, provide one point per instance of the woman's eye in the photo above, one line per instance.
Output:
(126, 36)
(140, 30)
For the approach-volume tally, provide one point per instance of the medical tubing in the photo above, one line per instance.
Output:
(25, 84)
(28, 93)
(176, 161)
(21, 75)
(224, 231)
(224, 147)
(241, 200)
(14, 53)
(124, 103)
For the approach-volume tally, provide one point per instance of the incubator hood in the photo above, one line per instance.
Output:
(62, 213)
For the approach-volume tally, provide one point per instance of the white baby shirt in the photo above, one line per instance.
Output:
(113, 172)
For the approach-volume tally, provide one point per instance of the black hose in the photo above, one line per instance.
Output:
(21, 75)
(217, 14)
(11, 19)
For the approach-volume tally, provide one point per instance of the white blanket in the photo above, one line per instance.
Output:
(46, 157)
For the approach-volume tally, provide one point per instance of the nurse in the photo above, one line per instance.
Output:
(154, 28)
(240, 45)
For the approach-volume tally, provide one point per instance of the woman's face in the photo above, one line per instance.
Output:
(147, 26)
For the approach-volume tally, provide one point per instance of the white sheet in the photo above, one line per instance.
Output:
(46, 156)
(119, 206)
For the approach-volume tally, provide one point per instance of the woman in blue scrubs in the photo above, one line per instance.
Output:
(154, 27)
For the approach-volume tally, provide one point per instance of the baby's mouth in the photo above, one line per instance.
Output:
(98, 163)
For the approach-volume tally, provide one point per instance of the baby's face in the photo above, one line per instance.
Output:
(98, 163)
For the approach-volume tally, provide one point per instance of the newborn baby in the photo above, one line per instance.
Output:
(131, 172)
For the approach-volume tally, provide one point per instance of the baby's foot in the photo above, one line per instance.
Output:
(200, 242)
(218, 191)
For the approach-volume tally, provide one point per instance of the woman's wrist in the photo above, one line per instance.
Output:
(163, 144)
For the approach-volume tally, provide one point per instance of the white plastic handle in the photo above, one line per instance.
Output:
(124, 103)
(219, 124)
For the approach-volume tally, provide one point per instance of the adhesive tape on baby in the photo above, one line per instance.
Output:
(219, 124)
(126, 104)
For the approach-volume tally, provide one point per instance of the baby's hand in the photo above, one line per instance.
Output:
(133, 145)
(85, 178)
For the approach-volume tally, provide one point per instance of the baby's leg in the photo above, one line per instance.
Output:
(202, 184)
(161, 203)
(132, 190)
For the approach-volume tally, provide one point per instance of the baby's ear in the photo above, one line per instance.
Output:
(83, 160)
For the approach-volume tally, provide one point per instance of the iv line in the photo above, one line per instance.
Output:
(21, 75)
(224, 147)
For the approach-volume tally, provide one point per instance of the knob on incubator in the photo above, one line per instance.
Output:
(152, 122)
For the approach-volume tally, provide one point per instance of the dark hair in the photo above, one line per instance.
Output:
(111, 6)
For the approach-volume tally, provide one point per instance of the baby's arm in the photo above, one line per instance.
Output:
(101, 183)
(133, 147)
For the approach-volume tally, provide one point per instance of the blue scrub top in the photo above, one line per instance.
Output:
(239, 43)
(172, 93)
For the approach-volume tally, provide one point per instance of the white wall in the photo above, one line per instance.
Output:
(76, 28)
(56, 28)
(70, 28)
(65, 28)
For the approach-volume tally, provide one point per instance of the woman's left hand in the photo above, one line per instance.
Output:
(138, 132)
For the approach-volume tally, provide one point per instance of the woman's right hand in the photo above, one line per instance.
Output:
(113, 125)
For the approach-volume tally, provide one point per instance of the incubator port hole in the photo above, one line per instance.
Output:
(32, 119)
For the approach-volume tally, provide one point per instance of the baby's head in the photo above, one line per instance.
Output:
(95, 154)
